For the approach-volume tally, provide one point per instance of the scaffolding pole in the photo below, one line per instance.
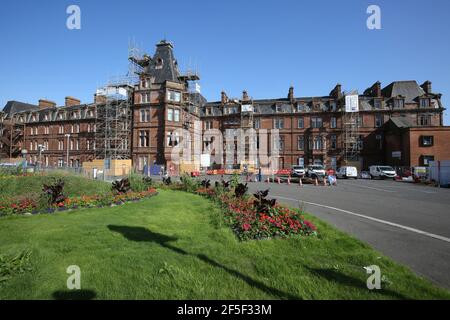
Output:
(113, 124)
(350, 126)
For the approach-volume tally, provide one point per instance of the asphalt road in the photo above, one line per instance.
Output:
(407, 222)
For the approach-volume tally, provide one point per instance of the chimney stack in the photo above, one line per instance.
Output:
(99, 99)
(223, 97)
(291, 94)
(245, 96)
(374, 90)
(44, 103)
(71, 101)
(426, 86)
(337, 92)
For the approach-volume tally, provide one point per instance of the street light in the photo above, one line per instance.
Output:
(41, 149)
(68, 137)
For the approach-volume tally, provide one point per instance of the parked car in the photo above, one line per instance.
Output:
(382, 172)
(315, 170)
(364, 175)
(347, 172)
(298, 171)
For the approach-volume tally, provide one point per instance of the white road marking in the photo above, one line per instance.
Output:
(360, 186)
(428, 234)
(414, 189)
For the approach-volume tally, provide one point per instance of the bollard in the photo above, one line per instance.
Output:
(316, 182)
(324, 182)
(300, 182)
(268, 180)
(289, 180)
(278, 178)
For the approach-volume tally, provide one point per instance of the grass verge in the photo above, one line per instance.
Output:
(175, 246)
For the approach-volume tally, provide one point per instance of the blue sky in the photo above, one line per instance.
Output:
(260, 46)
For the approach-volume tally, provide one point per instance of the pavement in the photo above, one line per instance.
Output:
(407, 222)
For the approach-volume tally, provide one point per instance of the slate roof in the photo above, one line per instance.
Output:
(163, 65)
(409, 89)
(12, 107)
(402, 122)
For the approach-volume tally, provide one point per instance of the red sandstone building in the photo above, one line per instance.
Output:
(400, 124)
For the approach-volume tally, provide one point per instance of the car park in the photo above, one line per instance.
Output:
(382, 172)
(347, 172)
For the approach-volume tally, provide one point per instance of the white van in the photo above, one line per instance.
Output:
(382, 172)
(347, 172)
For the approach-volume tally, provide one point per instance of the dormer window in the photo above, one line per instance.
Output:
(377, 103)
(278, 108)
(300, 107)
(399, 103)
(33, 117)
(425, 103)
(144, 83)
(333, 107)
(159, 63)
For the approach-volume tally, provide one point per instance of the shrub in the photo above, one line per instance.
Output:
(121, 186)
(147, 181)
(262, 204)
(234, 181)
(167, 181)
(240, 190)
(55, 192)
(188, 183)
(206, 183)
(137, 182)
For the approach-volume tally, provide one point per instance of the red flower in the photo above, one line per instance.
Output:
(246, 226)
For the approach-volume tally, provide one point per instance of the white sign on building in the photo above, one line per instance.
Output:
(205, 160)
(352, 103)
(247, 108)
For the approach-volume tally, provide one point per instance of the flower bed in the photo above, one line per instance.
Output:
(242, 215)
(10, 206)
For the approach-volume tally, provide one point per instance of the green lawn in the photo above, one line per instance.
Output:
(31, 186)
(174, 246)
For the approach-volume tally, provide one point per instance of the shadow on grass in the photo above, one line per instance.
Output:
(141, 234)
(343, 279)
(74, 295)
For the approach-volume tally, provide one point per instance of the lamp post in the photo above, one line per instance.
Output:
(67, 159)
(41, 148)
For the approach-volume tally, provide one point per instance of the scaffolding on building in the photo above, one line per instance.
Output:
(113, 123)
(350, 126)
(12, 136)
